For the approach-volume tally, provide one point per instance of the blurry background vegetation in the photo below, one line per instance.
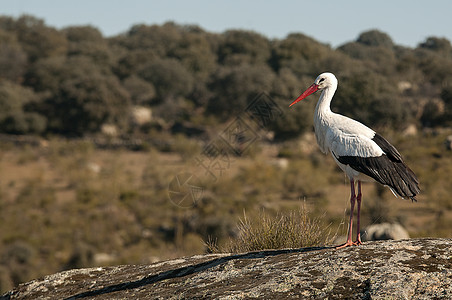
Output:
(93, 129)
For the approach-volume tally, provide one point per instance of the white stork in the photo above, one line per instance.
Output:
(359, 151)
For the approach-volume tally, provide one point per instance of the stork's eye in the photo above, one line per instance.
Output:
(321, 79)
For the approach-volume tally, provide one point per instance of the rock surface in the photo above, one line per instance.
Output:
(448, 142)
(384, 231)
(405, 269)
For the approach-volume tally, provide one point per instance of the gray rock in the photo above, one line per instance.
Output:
(448, 142)
(406, 269)
(384, 231)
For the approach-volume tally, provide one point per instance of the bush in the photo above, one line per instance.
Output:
(18, 259)
(294, 121)
(292, 230)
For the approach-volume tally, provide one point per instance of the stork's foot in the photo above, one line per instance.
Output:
(349, 243)
(358, 239)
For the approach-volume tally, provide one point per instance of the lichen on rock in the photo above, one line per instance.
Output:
(405, 269)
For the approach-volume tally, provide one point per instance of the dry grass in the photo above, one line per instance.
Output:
(294, 229)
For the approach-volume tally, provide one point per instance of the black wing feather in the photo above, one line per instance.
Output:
(387, 148)
(388, 169)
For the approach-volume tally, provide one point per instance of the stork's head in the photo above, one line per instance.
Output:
(323, 81)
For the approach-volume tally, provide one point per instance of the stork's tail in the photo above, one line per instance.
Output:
(404, 182)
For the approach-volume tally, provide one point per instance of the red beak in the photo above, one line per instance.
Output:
(312, 89)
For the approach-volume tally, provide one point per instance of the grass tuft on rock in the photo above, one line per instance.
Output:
(294, 229)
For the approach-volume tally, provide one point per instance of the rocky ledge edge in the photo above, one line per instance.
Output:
(405, 269)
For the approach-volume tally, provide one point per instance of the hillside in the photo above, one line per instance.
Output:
(68, 204)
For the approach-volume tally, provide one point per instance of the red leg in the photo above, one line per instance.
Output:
(358, 199)
(352, 207)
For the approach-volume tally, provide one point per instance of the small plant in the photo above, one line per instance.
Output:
(293, 230)
(211, 245)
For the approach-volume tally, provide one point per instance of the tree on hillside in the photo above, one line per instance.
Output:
(169, 77)
(243, 47)
(88, 41)
(371, 99)
(38, 40)
(375, 38)
(233, 88)
(375, 49)
(132, 61)
(195, 51)
(13, 60)
(158, 38)
(79, 98)
(141, 91)
(440, 45)
(446, 96)
(81, 79)
(14, 117)
(436, 67)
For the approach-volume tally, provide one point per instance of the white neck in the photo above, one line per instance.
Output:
(324, 103)
(323, 116)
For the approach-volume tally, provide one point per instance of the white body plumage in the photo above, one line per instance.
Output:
(359, 151)
(342, 136)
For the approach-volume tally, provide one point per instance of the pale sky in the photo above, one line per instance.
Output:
(408, 22)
